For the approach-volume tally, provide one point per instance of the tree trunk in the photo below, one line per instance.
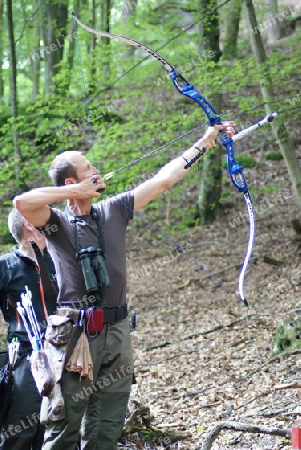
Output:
(13, 82)
(1, 52)
(92, 53)
(266, 86)
(54, 33)
(12, 60)
(105, 8)
(128, 20)
(232, 29)
(36, 62)
(274, 28)
(208, 208)
(71, 48)
(210, 190)
(33, 47)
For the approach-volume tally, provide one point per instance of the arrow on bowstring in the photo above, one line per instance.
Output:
(235, 170)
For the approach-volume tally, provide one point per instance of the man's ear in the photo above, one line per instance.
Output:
(70, 181)
(28, 225)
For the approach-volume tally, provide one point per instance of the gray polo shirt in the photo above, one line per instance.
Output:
(114, 214)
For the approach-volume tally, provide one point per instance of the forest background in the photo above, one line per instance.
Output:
(63, 88)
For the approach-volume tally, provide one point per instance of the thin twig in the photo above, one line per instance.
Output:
(245, 427)
(200, 333)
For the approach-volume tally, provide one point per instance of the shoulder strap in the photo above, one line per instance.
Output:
(45, 277)
(95, 216)
(73, 221)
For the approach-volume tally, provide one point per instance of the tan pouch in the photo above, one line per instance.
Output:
(42, 372)
(53, 407)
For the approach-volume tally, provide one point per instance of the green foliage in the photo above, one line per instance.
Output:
(275, 156)
(148, 433)
(133, 108)
(225, 196)
(245, 160)
(267, 189)
(287, 336)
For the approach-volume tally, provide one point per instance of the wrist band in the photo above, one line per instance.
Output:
(186, 160)
(195, 158)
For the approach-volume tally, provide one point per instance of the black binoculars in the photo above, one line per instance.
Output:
(94, 269)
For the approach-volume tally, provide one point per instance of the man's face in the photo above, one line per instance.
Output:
(84, 168)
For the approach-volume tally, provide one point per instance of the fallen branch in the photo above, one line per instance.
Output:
(272, 261)
(262, 394)
(287, 410)
(293, 385)
(199, 333)
(176, 355)
(246, 427)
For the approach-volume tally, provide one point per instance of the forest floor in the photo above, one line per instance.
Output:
(201, 356)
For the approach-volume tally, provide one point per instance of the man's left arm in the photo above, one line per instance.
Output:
(174, 171)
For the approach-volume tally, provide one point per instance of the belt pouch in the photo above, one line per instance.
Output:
(95, 321)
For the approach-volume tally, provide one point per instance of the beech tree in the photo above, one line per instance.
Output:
(274, 28)
(266, 87)
(232, 29)
(13, 81)
(1, 51)
(211, 182)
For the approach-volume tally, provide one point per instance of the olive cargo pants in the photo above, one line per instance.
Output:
(96, 411)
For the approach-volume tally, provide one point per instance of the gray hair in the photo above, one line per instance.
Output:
(16, 224)
(61, 168)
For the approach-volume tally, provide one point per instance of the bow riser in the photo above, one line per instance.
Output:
(188, 89)
(235, 170)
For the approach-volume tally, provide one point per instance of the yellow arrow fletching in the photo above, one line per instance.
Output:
(107, 176)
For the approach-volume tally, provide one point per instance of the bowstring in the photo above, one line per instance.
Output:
(178, 248)
(109, 175)
(149, 224)
(86, 100)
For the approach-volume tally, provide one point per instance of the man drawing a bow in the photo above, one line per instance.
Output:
(89, 252)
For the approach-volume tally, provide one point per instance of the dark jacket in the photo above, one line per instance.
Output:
(16, 272)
